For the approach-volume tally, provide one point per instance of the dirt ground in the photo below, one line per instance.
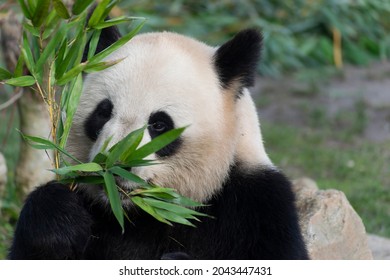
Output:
(328, 93)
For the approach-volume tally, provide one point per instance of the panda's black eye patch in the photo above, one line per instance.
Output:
(159, 123)
(98, 118)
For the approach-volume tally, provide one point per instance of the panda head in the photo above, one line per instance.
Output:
(168, 81)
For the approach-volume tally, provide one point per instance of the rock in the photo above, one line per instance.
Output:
(379, 246)
(3, 174)
(330, 226)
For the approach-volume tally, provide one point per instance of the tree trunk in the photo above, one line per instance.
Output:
(33, 165)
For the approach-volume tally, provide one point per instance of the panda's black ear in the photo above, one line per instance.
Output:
(236, 60)
(108, 36)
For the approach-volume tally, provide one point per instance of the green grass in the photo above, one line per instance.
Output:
(359, 169)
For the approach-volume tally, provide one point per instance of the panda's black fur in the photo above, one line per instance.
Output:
(254, 212)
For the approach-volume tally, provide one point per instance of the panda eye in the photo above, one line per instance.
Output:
(160, 122)
(159, 126)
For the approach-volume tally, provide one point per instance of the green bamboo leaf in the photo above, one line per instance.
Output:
(44, 144)
(55, 42)
(26, 11)
(5, 74)
(127, 175)
(172, 207)
(139, 201)
(156, 144)
(99, 66)
(72, 55)
(98, 57)
(185, 201)
(98, 13)
(131, 148)
(29, 61)
(168, 195)
(41, 12)
(113, 196)
(116, 21)
(41, 141)
(108, 9)
(100, 158)
(53, 23)
(32, 4)
(174, 197)
(35, 47)
(50, 23)
(19, 67)
(129, 143)
(173, 217)
(105, 144)
(144, 192)
(137, 163)
(71, 74)
(93, 43)
(31, 29)
(82, 45)
(27, 53)
(154, 190)
(61, 10)
(60, 55)
(23, 81)
(80, 5)
(71, 106)
(84, 167)
(40, 146)
(158, 195)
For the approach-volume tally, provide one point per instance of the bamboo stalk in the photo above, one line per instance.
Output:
(337, 51)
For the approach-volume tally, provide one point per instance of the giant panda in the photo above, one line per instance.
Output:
(167, 80)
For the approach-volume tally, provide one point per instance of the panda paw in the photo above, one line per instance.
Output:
(53, 224)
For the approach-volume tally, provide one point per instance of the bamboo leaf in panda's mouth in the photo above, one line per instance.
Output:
(125, 147)
(156, 144)
(128, 175)
(164, 204)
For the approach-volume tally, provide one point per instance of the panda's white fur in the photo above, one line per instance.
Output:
(170, 72)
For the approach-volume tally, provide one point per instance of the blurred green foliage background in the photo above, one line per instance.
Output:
(297, 33)
(302, 39)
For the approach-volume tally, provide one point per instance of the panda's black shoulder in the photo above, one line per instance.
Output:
(258, 204)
